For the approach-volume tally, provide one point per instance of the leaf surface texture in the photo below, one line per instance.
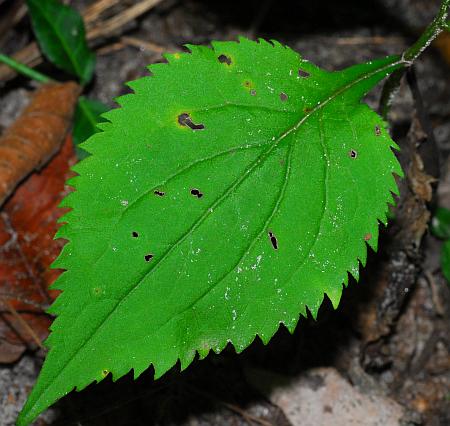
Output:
(234, 188)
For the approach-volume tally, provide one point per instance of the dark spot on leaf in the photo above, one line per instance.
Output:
(134, 234)
(307, 109)
(224, 59)
(352, 153)
(196, 193)
(148, 257)
(283, 97)
(377, 130)
(273, 240)
(253, 92)
(303, 73)
(186, 120)
(105, 373)
(367, 237)
(159, 193)
(247, 83)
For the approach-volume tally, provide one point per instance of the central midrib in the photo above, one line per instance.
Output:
(252, 166)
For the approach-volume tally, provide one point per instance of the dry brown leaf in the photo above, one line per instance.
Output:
(37, 134)
(27, 248)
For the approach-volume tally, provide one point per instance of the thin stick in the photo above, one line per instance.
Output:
(92, 13)
(114, 47)
(145, 45)
(24, 70)
(357, 40)
(249, 417)
(24, 324)
(110, 25)
(31, 55)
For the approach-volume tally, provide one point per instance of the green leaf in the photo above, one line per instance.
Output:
(440, 224)
(87, 117)
(60, 32)
(227, 195)
(445, 260)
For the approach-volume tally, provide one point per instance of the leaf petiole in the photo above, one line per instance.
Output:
(438, 24)
(391, 86)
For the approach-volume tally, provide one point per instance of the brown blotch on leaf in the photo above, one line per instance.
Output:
(283, 97)
(307, 109)
(186, 121)
(377, 130)
(247, 83)
(148, 257)
(224, 59)
(367, 237)
(196, 193)
(273, 240)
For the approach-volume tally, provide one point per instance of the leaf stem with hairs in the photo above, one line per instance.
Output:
(391, 86)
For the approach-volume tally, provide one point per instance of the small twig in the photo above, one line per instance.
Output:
(109, 26)
(357, 40)
(113, 47)
(24, 324)
(144, 45)
(30, 55)
(93, 12)
(249, 417)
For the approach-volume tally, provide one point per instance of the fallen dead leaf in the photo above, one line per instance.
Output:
(27, 226)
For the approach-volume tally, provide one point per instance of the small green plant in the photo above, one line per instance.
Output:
(60, 33)
(236, 187)
(440, 227)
